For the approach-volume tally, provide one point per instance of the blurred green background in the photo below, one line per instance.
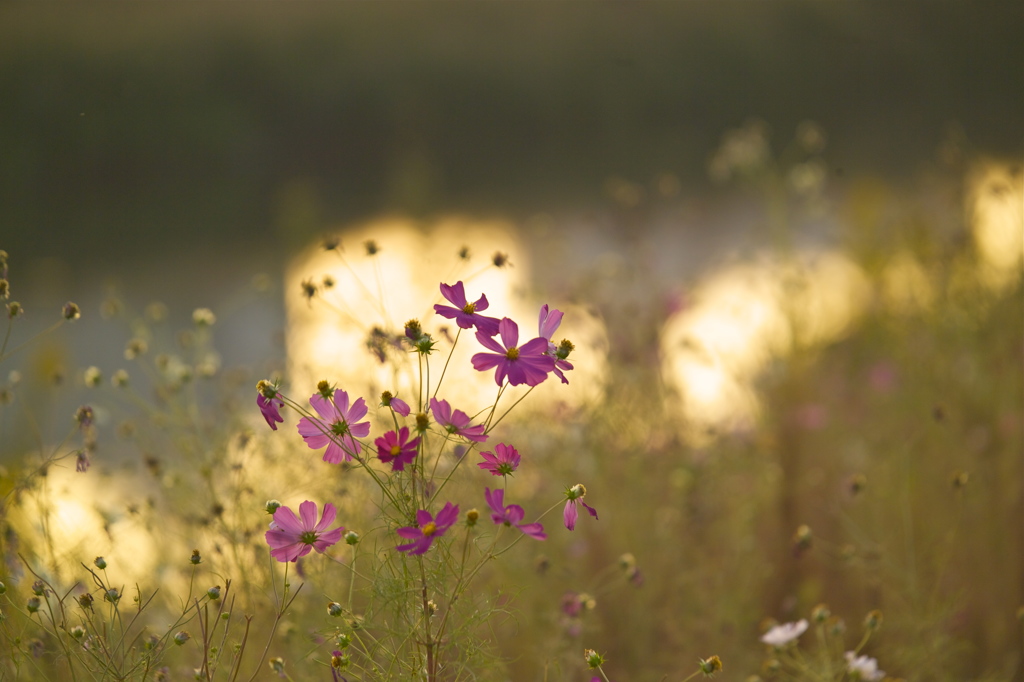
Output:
(143, 129)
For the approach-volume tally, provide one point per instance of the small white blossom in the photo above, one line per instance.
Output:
(863, 668)
(781, 635)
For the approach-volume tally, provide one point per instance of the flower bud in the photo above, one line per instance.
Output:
(213, 593)
(802, 540)
(344, 641)
(594, 660)
(422, 422)
(277, 665)
(196, 558)
(39, 588)
(33, 604)
(84, 416)
(112, 595)
(324, 389)
(120, 378)
(100, 562)
(710, 666)
(372, 249)
(78, 632)
(181, 637)
(92, 377)
(5, 289)
(3, 588)
(71, 311)
(873, 620)
(85, 601)
(464, 253)
(271, 506)
(203, 317)
(334, 609)
(564, 348)
(471, 517)
(351, 537)
(14, 309)
(500, 259)
(134, 348)
(820, 613)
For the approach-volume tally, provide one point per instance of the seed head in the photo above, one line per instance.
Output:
(500, 259)
(710, 666)
(372, 249)
(71, 311)
(308, 289)
(85, 601)
(14, 309)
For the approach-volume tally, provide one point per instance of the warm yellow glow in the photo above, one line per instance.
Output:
(745, 315)
(327, 335)
(995, 209)
(84, 516)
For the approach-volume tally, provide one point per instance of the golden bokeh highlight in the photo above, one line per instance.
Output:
(745, 315)
(995, 213)
(327, 334)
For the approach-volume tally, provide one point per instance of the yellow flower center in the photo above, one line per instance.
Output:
(469, 308)
(512, 353)
(395, 450)
(429, 529)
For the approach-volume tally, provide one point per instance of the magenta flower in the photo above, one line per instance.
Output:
(400, 406)
(339, 429)
(270, 407)
(427, 529)
(502, 462)
(456, 422)
(574, 497)
(464, 313)
(397, 448)
(527, 364)
(549, 322)
(511, 515)
(290, 537)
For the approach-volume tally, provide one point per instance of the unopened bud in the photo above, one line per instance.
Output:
(324, 389)
(873, 620)
(71, 311)
(422, 422)
(100, 562)
(14, 309)
(272, 506)
(334, 609)
(196, 558)
(471, 517)
(112, 595)
(351, 537)
(33, 604)
(39, 588)
(181, 637)
(594, 660)
(92, 377)
(308, 289)
(203, 317)
(213, 593)
(372, 249)
(500, 259)
(120, 378)
(78, 632)
(820, 613)
(344, 641)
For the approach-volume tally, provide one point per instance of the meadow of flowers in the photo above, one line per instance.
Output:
(814, 475)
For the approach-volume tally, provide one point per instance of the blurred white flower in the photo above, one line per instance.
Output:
(863, 668)
(781, 635)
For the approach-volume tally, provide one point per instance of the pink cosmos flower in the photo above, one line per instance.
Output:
(464, 313)
(502, 462)
(456, 422)
(527, 364)
(428, 528)
(574, 497)
(397, 448)
(549, 322)
(400, 406)
(511, 515)
(290, 537)
(270, 407)
(339, 428)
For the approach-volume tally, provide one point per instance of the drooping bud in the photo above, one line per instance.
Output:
(710, 666)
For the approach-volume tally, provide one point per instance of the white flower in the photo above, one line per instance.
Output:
(781, 635)
(863, 668)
